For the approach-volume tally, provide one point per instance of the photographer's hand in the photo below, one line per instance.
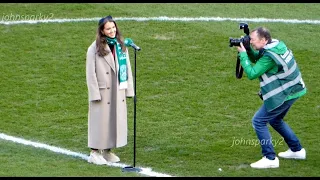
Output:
(241, 48)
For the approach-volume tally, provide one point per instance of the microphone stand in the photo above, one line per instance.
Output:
(133, 168)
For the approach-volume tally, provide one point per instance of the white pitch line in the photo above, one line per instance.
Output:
(144, 171)
(11, 21)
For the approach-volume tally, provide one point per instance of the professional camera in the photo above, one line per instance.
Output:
(245, 40)
(246, 43)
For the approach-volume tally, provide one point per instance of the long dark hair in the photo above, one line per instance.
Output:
(101, 38)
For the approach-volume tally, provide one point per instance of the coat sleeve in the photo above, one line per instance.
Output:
(130, 90)
(91, 76)
(262, 65)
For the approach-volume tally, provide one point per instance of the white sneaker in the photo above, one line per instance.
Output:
(265, 163)
(109, 156)
(293, 155)
(96, 158)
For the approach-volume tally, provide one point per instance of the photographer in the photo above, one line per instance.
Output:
(281, 85)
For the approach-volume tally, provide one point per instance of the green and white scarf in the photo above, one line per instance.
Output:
(122, 61)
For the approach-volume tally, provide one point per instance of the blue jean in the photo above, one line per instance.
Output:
(275, 119)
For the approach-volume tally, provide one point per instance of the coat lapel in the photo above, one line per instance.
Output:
(110, 59)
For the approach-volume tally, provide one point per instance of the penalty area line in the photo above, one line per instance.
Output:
(144, 171)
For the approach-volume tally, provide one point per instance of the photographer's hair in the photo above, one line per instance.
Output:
(101, 38)
(263, 32)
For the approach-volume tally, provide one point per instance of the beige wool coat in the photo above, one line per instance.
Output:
(107, 118)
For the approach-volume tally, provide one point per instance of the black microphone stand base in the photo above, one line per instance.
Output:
(131, 169)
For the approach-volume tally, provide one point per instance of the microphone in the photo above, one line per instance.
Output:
(129, 42)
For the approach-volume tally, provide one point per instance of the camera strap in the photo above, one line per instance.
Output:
(239, 68)
(261, 52)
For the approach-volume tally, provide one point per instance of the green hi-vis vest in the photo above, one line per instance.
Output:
(275, 88)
